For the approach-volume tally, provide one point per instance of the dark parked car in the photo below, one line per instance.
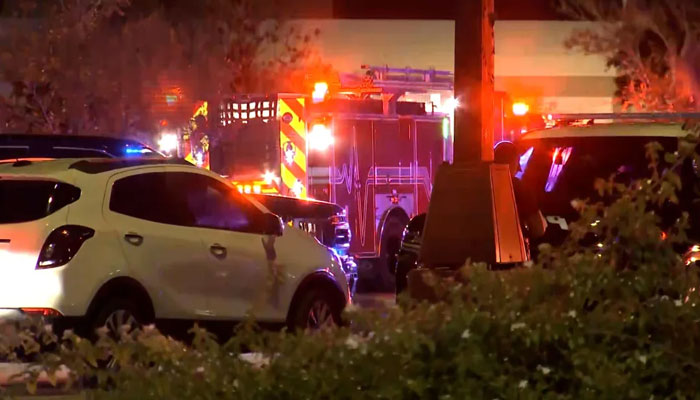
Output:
(327, 222)
(31, 146)
(561, 164)
(407, 258)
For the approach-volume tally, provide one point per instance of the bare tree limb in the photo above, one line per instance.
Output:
(654, 44)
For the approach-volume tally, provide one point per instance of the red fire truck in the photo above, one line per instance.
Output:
(355, 145)
(360, 144)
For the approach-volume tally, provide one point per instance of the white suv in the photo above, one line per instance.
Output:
(115, 241)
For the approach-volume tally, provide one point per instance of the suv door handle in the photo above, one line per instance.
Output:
(218, 250)
(133, 238)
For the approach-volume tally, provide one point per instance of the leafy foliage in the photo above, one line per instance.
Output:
(654, 45)
(98, 66)
(615, 320)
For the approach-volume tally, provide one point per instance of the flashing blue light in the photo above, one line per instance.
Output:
(524, 161)
(137, 151)
(559, 159)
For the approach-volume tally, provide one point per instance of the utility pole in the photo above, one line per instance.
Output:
(472, 214)
(474, 81)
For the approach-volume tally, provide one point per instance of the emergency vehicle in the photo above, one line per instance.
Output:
(359, 145)
(371, 144)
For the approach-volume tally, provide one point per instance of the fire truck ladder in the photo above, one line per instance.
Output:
(392, 83)
(409, 80)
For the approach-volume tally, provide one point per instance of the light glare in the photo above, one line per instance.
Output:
(320, 137)
(168, 142)
(451, 104)
(520, 109)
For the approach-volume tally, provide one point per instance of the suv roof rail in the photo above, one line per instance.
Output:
(96, 166)
(628, 116)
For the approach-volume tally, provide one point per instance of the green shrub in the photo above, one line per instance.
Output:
(617, 320)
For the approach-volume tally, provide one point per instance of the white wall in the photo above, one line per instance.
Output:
(348, 44)
(531, 61)
(533, 64)
(536, 48)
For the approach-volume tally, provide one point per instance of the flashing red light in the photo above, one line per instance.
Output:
(520, 109)
(321, 87)
(320, 91)
(555, 155)
(163, 122)
(320, 137)
(269, 177)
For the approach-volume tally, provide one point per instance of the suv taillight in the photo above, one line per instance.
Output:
(62, 245)
(42, 312)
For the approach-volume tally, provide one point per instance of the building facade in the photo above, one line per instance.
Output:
(531, 62)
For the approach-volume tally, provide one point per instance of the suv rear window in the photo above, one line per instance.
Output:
(560, 170)
(30, 200)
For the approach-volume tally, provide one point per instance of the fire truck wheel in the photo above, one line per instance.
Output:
(391, 243)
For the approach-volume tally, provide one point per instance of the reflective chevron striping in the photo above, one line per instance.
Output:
(293, 146)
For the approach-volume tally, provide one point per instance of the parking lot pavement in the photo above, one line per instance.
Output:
(375, 300)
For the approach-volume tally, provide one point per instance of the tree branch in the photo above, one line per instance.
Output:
(47, 119)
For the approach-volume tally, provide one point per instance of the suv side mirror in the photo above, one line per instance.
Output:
(272, 225)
